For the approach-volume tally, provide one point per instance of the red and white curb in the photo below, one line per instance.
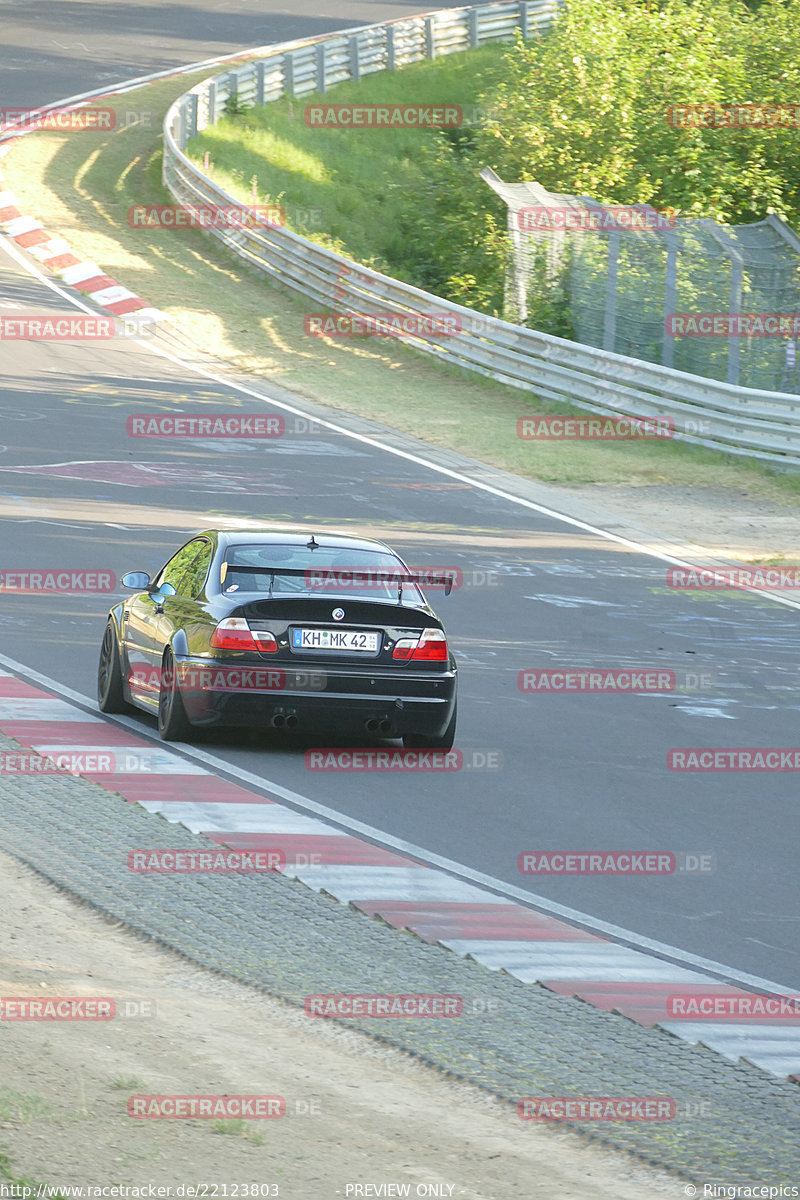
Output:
(465, 918)
(55, 254)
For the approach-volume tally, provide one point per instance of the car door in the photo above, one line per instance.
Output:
(146, 623)
(184, 609)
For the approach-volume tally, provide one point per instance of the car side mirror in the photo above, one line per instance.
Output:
(137, 581)
(160, 594)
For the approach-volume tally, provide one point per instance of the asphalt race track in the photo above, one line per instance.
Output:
(579, 772)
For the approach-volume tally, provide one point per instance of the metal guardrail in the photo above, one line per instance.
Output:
(755, 424)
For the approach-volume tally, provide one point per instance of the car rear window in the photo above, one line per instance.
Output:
(326, 571)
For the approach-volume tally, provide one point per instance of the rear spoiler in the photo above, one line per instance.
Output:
(319, 575)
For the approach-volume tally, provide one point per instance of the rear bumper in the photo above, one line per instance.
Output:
(317, 698)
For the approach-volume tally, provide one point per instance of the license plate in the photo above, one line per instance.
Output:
(349, 640)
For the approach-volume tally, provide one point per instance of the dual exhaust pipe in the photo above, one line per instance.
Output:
(373, 725)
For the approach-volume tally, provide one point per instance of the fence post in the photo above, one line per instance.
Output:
(212, 102)
(390, 47)
(670, 294)
(735, 303)
(260, 72)
(610, 322)
(523, 19)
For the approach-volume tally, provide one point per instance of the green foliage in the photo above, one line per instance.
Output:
(235, 107)
(584, 110)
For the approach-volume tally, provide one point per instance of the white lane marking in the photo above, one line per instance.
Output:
(550, 961)
(239, 818)
(495, 886)
(129, 760)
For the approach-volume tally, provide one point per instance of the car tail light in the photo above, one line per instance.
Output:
(431, 647)
(235, 634)
(404, 648)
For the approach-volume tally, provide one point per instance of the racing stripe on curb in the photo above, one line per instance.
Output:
(467, 919)
(56, 255)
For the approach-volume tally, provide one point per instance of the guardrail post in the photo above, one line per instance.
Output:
(523, 19)
(321, 80)
(182, 127)
(191, 120)
(355, 59)
(430, 43)
(288, 74)
(610, 322)
(261, 68)
(212, 102)
(473, 28)
(390, 47)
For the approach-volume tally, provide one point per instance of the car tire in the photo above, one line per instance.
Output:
(173, 724)
(421, 741)
(110, 691)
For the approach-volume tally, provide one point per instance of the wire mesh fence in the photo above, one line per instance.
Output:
(713, 300)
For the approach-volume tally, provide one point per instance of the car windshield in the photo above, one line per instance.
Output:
(327, 570)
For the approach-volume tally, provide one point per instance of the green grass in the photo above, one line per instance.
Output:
(240, 1129)
(354, 181)
(82, 186)
(16, 1181)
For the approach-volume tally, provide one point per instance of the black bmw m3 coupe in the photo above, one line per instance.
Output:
(283, 630)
